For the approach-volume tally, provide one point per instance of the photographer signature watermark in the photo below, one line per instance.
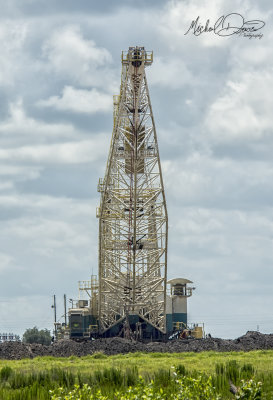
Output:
(231, 24)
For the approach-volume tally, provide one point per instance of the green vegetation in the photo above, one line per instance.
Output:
(152, 362)
(34, 335)
(163, 376)
(182, 388)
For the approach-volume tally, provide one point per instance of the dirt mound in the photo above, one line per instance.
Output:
(66, 348)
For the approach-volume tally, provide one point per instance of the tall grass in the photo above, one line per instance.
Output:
(26, 384)
(152, 362)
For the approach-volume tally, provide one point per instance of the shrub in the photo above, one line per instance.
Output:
(250, 390)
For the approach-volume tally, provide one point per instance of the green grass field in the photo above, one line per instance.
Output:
(261, 360)
(31, 379)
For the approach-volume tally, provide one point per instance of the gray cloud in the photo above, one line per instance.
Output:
(69, 7)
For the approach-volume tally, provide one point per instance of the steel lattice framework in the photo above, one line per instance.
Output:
(132, 214)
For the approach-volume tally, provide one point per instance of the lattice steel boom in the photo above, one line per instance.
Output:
(133, 223)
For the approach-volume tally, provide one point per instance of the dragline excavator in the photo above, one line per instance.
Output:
(129, 298)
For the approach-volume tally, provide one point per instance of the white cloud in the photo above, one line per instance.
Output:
(5, 261)
(72, 56)
(6, 185)
(177, 18)
(83, 151)
(51, 237)
(79, 101)
(229, 245)
(20, 126)
(50, 205)
(224, 183)
(199, 221)
(12, 39)
(19, 173)
(172, 73)
(67, 46)
(243, 112)
(55, 233)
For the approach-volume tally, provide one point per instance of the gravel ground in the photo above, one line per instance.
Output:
(66, 348)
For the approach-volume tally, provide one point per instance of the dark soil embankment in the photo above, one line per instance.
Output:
(66, 348)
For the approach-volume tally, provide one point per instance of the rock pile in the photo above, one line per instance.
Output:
(111, 346)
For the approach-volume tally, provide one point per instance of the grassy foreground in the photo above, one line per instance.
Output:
(33, 379)
(262, 361)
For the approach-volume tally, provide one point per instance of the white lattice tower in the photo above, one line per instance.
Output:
(133, 216)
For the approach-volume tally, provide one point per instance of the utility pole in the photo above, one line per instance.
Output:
(55, 316)
(65, 319)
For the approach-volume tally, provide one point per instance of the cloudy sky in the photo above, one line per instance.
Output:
(212, 101)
